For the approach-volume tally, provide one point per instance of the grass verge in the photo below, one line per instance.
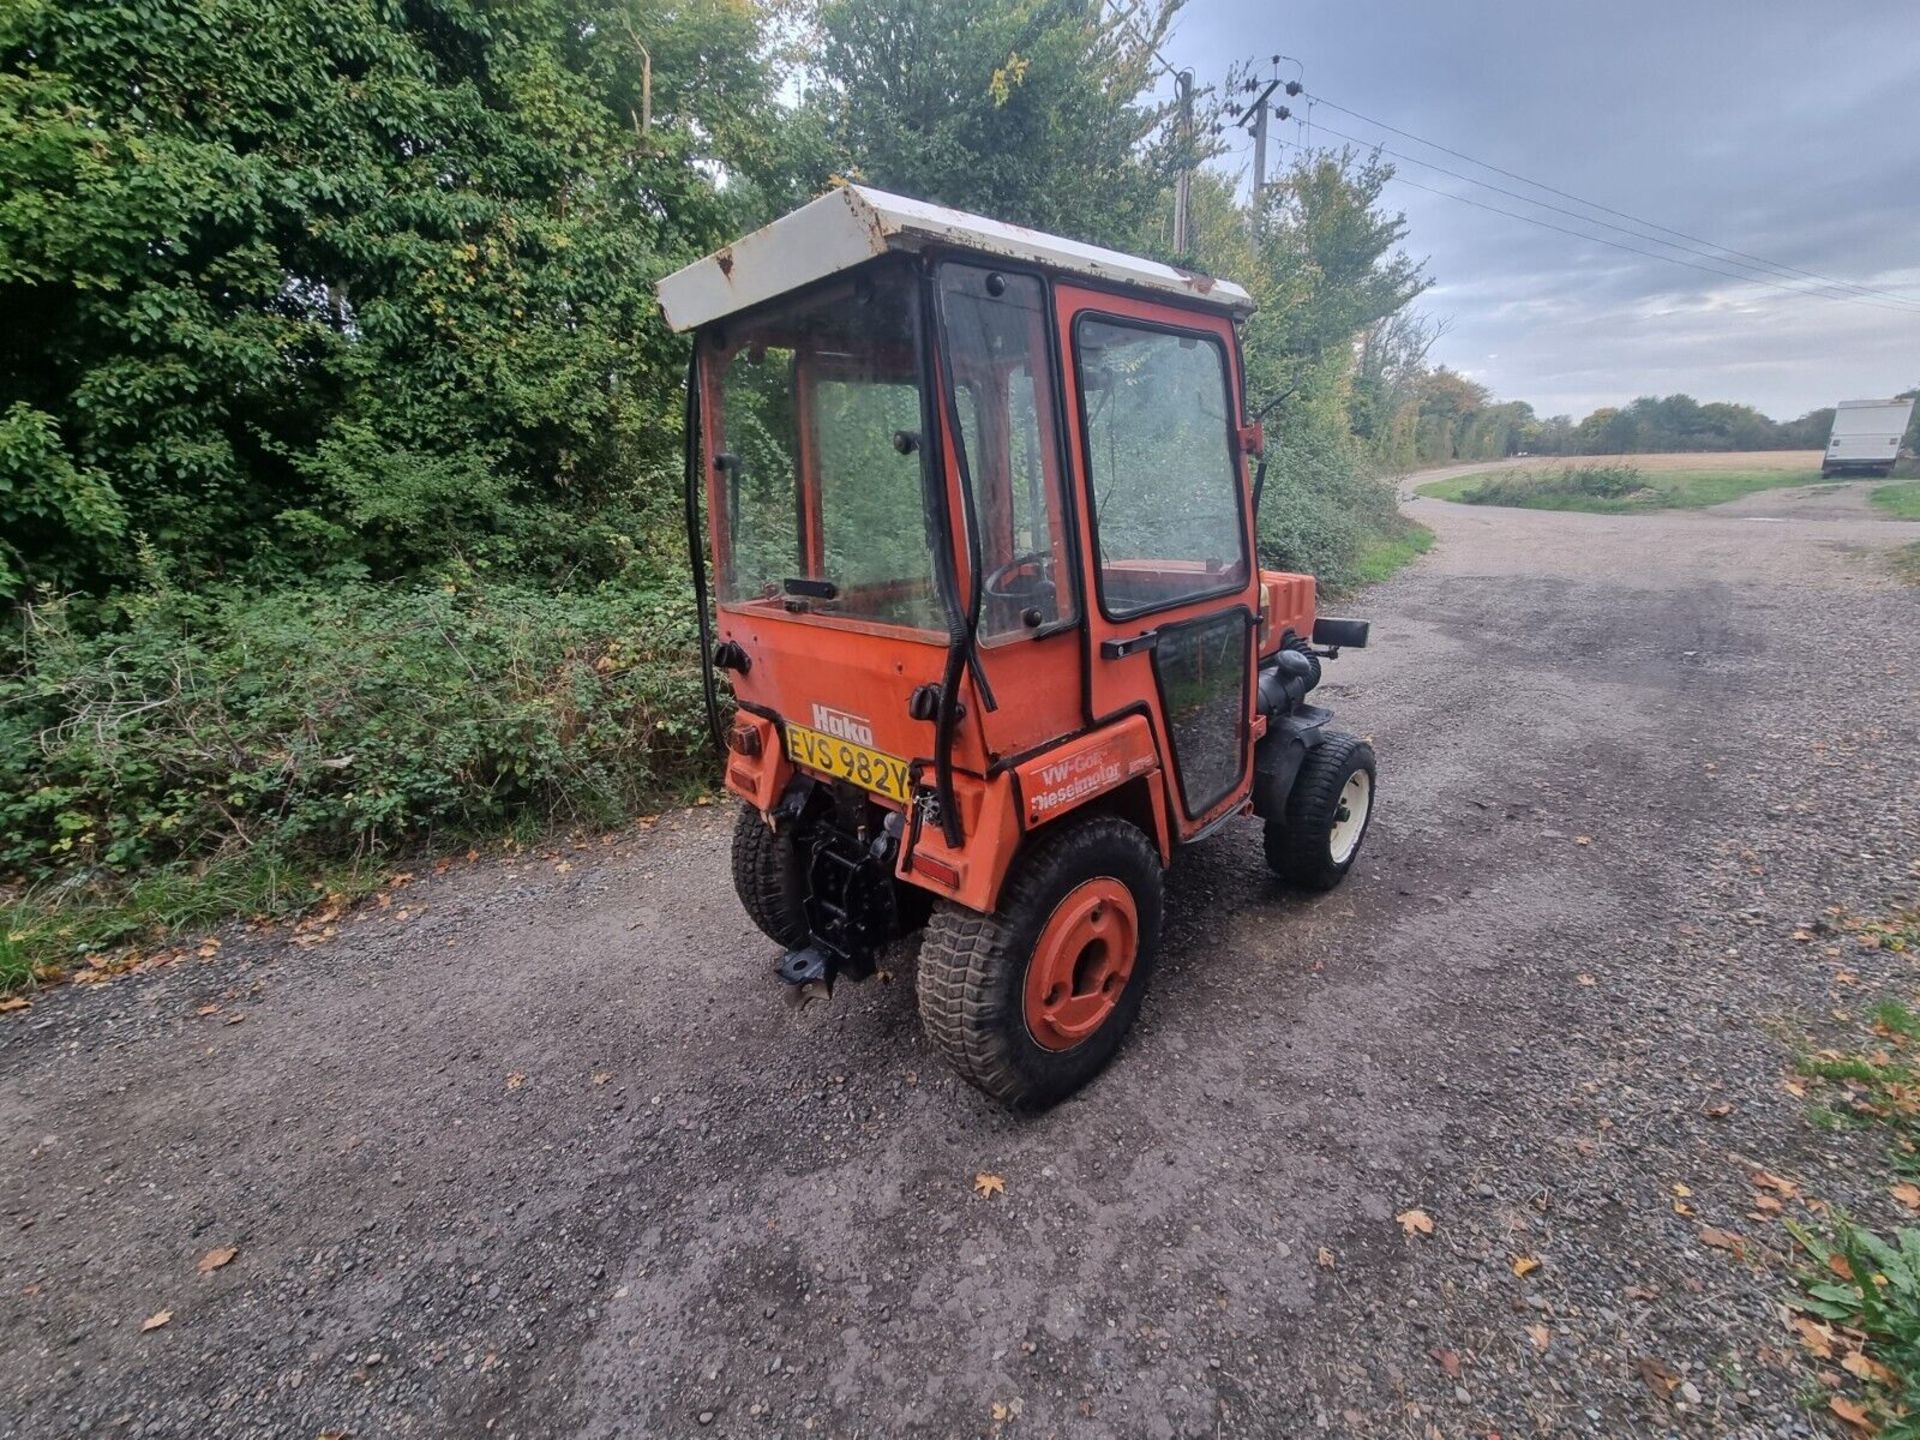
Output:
(1389, 554)
(1901, 501)
(1611, 489)
(82, 933)
(1858, 1300)
(1906, 563)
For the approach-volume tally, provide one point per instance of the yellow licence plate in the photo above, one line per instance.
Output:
(869, 769)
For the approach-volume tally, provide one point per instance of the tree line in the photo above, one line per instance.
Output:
(1412, 413)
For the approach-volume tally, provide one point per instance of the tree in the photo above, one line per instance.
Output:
(1034, 111)
(296, 283)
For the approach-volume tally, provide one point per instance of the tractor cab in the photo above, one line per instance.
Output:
(980, 525)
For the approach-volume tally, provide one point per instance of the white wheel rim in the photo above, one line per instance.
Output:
(1350, 816)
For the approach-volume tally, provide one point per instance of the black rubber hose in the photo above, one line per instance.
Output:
(697, 551)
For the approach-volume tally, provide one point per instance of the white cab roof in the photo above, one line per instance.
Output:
(853, 224)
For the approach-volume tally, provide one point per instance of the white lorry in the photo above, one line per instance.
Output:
(1866, 436)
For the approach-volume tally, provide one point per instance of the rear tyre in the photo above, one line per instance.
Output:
(770, 879)
(1029, 1002)
(1328, 812)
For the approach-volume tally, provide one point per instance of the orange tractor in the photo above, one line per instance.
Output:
(981, 530)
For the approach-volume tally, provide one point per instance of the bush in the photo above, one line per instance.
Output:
(1544, 487)
(330, 721)
(1324, 508)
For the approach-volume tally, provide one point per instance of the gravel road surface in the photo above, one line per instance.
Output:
(537, 1148)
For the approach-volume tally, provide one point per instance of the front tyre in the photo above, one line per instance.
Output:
(1328, 811)
(1029, 1002)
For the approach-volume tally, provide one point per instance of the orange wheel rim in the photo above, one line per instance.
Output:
(1081, 963)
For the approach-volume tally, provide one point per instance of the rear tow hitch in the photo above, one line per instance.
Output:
(850, 907)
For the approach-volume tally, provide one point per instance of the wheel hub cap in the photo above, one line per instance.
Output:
(1350, 818)
(1081, 963)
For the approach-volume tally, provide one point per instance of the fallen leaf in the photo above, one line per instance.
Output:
(1325, 1257)
(1525, 1265)
(1680, 1207)
(998, 1411)
(1840, 1265)
(15, 1002)
(1583, 839)
(1718, 1112)
(1449, 1361)
(1766, 1181)
(1540, 1335)
(209, 948)
(155, 1320)
(1794, 1088)
(214, 1259)
(213, 1009)
(601, 1077)
(1907, 1195)
(1816, 1337)
(1860, 1365)
(1682, 1191)
(235, 1019)
(1659, 1377)
(1768, 1204)
(563, 867)
(1415, 1222)
(1803, 936)
(515, 1080)
(1851, 1411)
(1724, 1240)
(989, 1185)
(1586, 980)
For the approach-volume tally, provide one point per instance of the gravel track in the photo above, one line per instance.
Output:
(549, 1155)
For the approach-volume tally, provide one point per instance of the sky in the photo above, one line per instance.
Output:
(1784, 129)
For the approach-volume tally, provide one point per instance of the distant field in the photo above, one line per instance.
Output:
(1901, 501)
(1618, 485)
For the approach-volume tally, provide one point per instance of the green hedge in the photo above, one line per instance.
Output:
(332, 721)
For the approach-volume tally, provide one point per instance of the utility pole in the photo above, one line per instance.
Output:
(1183, 183)
(1259, 154)
(1258, 113)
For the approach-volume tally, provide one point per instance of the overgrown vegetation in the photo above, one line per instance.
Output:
(1859, 1300)
(1611, 489)
(339, 437)
(1901, 501)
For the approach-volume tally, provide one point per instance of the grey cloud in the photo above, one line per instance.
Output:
(1777, 128)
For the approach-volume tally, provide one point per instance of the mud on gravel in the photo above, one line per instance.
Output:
(550, 1155)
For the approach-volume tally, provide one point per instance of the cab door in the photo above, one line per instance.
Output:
(1168, 558)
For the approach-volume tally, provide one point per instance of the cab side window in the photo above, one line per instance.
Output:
(1161, 462)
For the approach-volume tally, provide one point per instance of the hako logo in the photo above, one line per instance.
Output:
(842, 726)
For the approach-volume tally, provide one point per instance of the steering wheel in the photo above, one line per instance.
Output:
(1023, 580)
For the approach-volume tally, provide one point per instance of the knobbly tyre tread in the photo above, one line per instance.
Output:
(1297, 847)
(972, 971)
(769, 881)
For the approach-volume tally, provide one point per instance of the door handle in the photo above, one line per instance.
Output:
(1134, 645)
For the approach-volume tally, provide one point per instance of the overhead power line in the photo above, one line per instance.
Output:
(1636, 250)
(1608, 209)
(1835, 290)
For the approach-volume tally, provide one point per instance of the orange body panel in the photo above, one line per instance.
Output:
(1068, 776)
(1286, 606)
